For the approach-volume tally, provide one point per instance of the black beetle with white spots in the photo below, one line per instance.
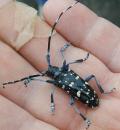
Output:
(66, 79)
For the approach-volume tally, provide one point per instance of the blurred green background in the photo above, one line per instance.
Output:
(109, 9)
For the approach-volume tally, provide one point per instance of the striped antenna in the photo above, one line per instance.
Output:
(53, 28)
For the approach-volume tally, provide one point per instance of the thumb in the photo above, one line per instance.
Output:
(20, 23)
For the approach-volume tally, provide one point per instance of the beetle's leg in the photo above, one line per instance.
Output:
(30, 78)
(52, 102)
(25, 80)
(98, 84)
(72, 101)
(63, 49)
(87, 121)
(65, 65)
(80, 60)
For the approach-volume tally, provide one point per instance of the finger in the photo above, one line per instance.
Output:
(13, 117)
(86, 30)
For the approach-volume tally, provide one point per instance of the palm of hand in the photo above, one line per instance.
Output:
(32, 109)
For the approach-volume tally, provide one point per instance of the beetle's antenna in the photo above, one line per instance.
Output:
(53, 28)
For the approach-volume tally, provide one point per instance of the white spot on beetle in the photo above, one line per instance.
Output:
(59, 81)
(87, 101)
(70, 85)
(66, 81)
(68, 92)
(88, 90)
(92, 99)
(77, 77)
(69, 70)
(79, 93)
(63, 86)
(86, 83)
(65, 74)
(87, 93)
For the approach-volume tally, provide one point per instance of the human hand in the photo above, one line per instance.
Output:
(86, 32)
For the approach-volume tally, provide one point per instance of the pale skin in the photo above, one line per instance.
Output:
(28, 108)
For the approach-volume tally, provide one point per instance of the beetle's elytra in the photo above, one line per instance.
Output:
(74, 85)
(66, 79)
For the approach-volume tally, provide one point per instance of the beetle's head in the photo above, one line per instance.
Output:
(53, 71)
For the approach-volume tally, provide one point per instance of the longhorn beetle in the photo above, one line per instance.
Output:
(66, 79)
